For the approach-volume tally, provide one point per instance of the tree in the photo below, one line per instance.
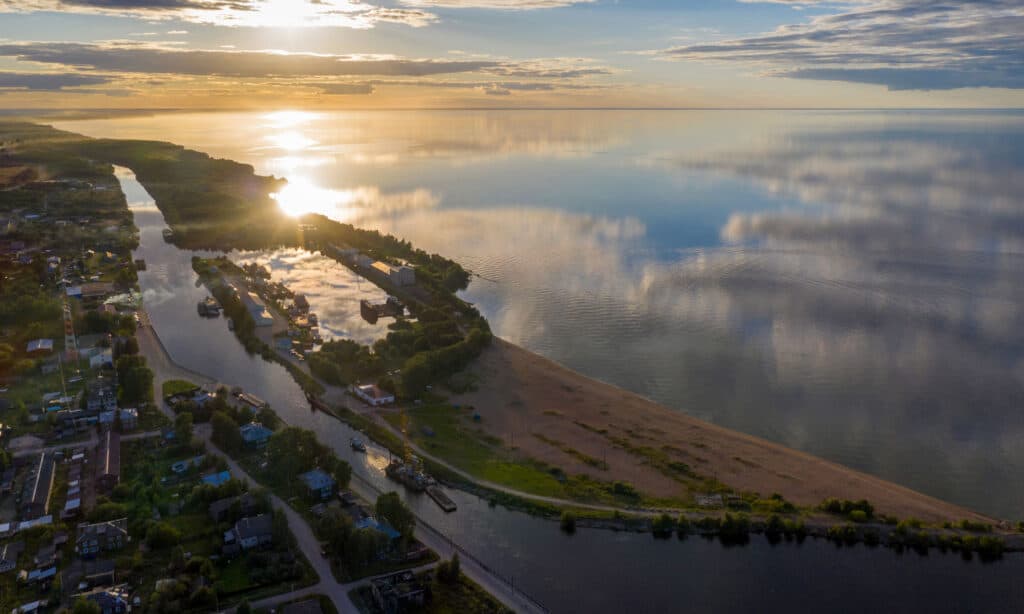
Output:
(391, 508)
(183, 427)
(225, 432)
(84, 606)
(162, 535)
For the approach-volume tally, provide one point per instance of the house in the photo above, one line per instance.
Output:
(29, 608)
(184, 465)
(108, 461)
(101, 396)
(39, 346)
(101, 358)
(216, 479)
(255, 435)
(319, 484)
(220, 508)
(373, 395)
(254, 531)
(310, 606)
(101, 537)
(401, 275)
(9, 556)
(129, 418)
(46, 556)
(107, 309)
(398, 592)
(37, 576)
(35, 497)
(100, 573)
(112, 600)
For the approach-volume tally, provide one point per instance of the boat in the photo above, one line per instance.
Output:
(441, 498)
(408, 475)
(168, 234)
(231, 324)
(315, 403)
(357, 444)
(208, 307)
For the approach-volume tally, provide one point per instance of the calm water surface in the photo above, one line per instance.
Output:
(848, 284)
(592, 571)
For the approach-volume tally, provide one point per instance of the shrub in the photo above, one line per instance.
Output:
(683, 526)
(858, 516)
(663, 525)
(975, 527)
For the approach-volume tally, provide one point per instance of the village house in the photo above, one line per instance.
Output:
(398, 592)
(101, 537)
(254, 531)
(220, 508)
(9, 556)
(112, 600)
(255, 435)
(35, 498)
(373, 395)
(319, 484)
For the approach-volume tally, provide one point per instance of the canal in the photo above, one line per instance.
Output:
(591, 571)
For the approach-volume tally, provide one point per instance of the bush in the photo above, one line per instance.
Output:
(162, 535)
(858, 516)
(448, 571)
(975, 527)
(844, 507)
(663, 525)
(568, 522)
(682, 526)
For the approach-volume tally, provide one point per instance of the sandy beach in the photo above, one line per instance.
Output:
(521, 395)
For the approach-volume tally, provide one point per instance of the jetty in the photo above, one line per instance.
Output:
(253, 400)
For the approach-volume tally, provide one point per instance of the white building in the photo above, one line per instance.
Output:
(373, 395)
(399, 275)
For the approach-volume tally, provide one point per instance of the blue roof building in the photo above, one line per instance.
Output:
(216, 479)
(319, 483)
(255, 435)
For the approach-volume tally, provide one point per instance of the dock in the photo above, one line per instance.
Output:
(442, 500)
(251, 399)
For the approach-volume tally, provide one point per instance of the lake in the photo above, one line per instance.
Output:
(845, 283)
(591, 571)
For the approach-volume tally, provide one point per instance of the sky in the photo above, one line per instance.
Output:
(368, 54)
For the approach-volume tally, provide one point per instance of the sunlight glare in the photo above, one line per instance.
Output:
(301, 197)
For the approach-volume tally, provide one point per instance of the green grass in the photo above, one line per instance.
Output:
(465, 448)
(177, 386)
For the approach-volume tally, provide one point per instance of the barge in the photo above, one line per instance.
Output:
(441, 499)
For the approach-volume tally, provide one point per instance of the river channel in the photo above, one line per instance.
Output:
(591, 571)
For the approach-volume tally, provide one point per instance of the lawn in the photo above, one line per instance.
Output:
(177, 386)
(466, 448)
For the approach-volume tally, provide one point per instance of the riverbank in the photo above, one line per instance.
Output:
(520, 395)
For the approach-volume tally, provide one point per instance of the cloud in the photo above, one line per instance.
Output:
(237, 13)
(152, 59)
(134, 57)
(507, 5)
(49, 82)
(346, 89)
(901, 44)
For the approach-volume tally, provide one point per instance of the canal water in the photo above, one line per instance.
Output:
(591, 571)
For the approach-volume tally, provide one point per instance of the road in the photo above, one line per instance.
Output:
(164, 368)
